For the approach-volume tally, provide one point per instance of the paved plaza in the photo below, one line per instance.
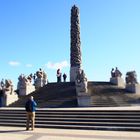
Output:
(19, 133)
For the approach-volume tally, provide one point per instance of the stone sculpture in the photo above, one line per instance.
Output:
(8, 86)
(8, 95)
(75, 37)
(131, 77)
(116, 78)
(23, 81)
(115, 73)
(75, 50)
(41, 79)
(132, 84)
(81, 81)
(39, 74)
(25, 86)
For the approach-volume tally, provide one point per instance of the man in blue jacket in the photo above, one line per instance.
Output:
(30, 107)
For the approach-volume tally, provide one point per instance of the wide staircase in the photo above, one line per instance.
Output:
(103, 94)
(75, 118)
(52, 95)
(57, 108)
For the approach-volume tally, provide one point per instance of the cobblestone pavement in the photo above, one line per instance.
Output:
(19, 133)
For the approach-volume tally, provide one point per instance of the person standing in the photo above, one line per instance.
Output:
(58, 76)
(30, 107)
(2, 84)
(64, 77)
(112, 73)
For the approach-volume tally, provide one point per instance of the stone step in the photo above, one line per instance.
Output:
(87, 116)
(111, 128)
(128, 120)
(126, 124)
(104, 94)
(73, 119)
(73, 112)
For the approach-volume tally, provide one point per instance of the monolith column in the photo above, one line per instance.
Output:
(75, 50)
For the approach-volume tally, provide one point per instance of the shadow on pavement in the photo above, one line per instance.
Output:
(11, 131)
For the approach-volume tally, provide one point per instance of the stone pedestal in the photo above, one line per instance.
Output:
(83, 97)
(84, 101)
(26, 90)
(118, 81)
(133, 88)
(73, 73)
(9, 98)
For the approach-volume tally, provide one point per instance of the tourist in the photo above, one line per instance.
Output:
(58, 75)
(64, 77)
(2, 84)
(30, 107)
(112, 73)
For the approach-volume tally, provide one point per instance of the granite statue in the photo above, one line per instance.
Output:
(131, 77)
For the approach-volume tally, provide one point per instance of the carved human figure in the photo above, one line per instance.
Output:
(23, 81)
(8, 86)
(117, 73)
(41, 79)
(30, 77)
(44, 78)
(81, 76)
(39, 73)
(75, 38)
(131, 77)
(81, 81)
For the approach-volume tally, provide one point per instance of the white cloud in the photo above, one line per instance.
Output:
(14, 63)
(29, 65)
(57, 65)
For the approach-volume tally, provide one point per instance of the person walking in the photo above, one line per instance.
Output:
(30, 107)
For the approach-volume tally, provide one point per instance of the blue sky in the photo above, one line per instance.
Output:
(36, 34)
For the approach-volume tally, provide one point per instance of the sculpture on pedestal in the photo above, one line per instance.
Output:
(25, 86)
(131, 77)
(8, 86)
(132, 84)
(41, 79)
(77, 75)
(23, 81)
(115, 73)
(81, 82)
(8, 95)
(116, 78)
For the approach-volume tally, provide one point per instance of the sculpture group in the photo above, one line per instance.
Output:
(7, 93)
(28, 84)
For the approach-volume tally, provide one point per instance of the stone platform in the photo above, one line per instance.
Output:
(18, 133)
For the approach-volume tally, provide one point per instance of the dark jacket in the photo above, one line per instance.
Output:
(30, 106)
